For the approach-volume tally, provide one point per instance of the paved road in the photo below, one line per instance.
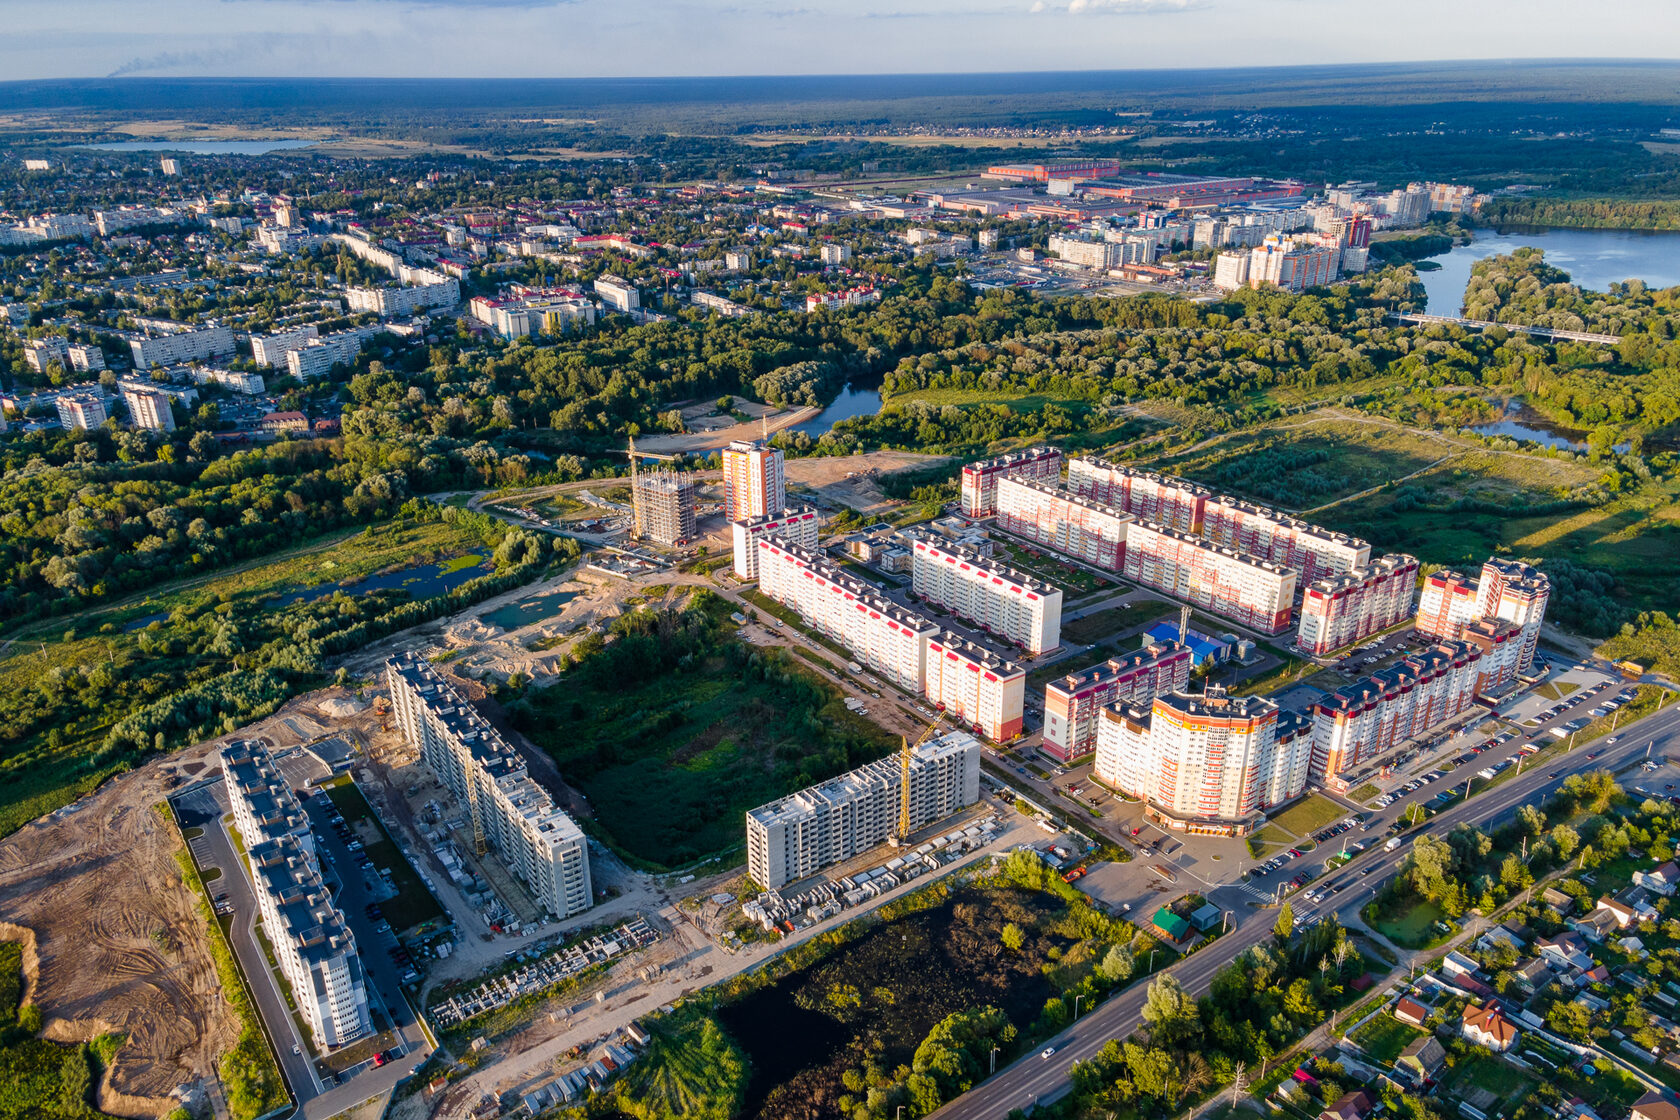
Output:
(1033, 1079)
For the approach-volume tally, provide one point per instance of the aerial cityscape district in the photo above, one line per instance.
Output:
(1098, 596)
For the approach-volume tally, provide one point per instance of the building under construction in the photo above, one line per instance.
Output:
(506, 810)
(664, 506)
(833, 821)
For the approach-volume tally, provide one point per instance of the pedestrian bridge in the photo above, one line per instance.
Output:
(1483, 324)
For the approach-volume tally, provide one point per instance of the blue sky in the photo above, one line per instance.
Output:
(595, 38)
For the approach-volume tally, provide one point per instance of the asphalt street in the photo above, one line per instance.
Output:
(1033, 1078)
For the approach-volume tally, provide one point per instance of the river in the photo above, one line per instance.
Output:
(1594, 258)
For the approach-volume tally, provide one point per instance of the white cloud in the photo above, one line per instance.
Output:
(1131, 7)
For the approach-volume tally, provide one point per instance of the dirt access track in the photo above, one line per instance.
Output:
(113, 941)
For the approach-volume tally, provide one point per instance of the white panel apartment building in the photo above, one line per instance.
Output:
(984, 691)
(1308, 550)
(1002, 601)
(979, 480)
(798, 525)
(1354, 725)
(1081, 528)
(1339, 610)
(1243, 588)
(832, 821)
(437, 291)
(182, 346)
(883, 636)
(314, 947)
(541, 844)
(1072, 704)
(270, 350)
(1148, 496)
(1206, 763)
(975, 687)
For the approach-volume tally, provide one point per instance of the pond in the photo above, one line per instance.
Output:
(526, 611)
(1594, 258)
(1523, 423)
(421, 581)
(851, 402)
(205, 147)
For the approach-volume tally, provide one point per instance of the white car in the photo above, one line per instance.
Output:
(1049, 1051)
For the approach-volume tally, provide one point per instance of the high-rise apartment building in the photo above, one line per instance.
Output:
(1501, 645)
(754, 481)
(183, 346)
(1205, 764)
(1099, 255)
(1339, 610)
(39, 353)
(506, 810)
(1446, 603)
(81, 412)
(796, 525)
(313, 946)
(1306, 549)
(149, 409)
(1013, 605)
(1515, 592)
(1072, 704)
(1293, 264)
(979, 480)
(1357, 724)
(1234, 585)
(664, 507)
(1081, 528)
(271, 349)
(975, 687)
(1148, 496)
(799, 835)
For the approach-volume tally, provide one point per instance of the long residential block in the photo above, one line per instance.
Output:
(894, 642)
(1148, 496)
(541, 844)
(799, 835)
(1204, 763)
(1308, 550)
(1507, 590)
(798, 525)
(1013, 605)
(1077, 527)
(1339, 610)
(182, 346)
(1072, 704)
(1243, 588)
(979, 480)
(312, 944)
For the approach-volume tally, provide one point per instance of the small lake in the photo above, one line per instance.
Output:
(1523, 423)
(1594, 258)
(851, 402)
(205, 147)
(422, 581)
(526, 611)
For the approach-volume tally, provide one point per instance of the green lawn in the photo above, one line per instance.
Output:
(1412, 929)
(1364, 793)
(1491, 1074)
(1384, 1037)
(1074, 581)
(413, 904)
(1110, 623)
(1308, 816)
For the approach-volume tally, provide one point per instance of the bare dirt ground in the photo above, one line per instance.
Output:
(113, 941)
(708, 430)
(851, 479)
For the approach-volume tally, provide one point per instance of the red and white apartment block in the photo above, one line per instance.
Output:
(797, 525)
(1148, 496)
(1245, 589)
(1076, 527)
(1072, 704)
(1208, 763)
(975, 687)
(754, 481)
(1013, 605)
(1309, 551)
(979, 480)
(1508, 591)
(1339, 610)
(896, 643)
(1367, 719)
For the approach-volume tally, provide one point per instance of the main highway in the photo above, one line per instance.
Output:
(1034, 1079)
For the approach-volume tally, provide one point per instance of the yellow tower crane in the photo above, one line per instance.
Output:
(905, 749)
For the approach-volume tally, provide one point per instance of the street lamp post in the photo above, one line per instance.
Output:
(994, 1059)
(1076, 1000)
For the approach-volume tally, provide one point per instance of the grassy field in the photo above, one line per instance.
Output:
(1556, 690)
(52, 767)
(1490, 1074)
(413, 904)
(1384, 1036)
(1413, 929)
(1094, 628)
(1308, 816)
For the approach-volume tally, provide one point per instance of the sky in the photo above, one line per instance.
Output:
(634, 38)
